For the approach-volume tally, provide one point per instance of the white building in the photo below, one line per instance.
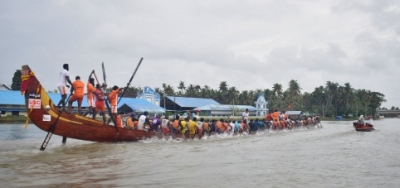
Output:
(261, 105)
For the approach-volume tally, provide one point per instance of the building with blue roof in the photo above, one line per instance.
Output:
(138, 106)
(13, 103)
(225, 110)
(186, 103)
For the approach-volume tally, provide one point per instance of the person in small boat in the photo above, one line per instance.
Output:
(143, 120)
(113, 98)
(90, 96)
(78, 92)
(100, 105)
(62, 85)
(361, 119)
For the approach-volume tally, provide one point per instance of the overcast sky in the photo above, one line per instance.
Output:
(249, 44)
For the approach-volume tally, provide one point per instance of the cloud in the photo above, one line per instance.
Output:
(251, 45)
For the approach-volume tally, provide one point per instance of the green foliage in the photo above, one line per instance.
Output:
(16, 80)
(329, 100)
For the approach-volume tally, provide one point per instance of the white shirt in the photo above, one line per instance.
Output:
(62, 81)
(232, 125)
(245, 115)
(361, 119)
(141, 121)
(164, 123)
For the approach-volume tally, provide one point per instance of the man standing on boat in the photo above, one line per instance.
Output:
(78, 90)
(245, 118)
(62, 85)
(90, 96)
(100, 105)
(113, 98)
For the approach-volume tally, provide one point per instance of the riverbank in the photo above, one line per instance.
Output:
(13, 119)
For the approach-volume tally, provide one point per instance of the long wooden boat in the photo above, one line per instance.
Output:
(367, 127)
(44, 114)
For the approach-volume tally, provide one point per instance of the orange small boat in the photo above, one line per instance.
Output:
(367, 127)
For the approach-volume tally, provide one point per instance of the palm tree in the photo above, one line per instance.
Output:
(277, 88)
(293, 96)
(181, 86)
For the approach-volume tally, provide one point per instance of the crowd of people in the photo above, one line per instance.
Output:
(96, 97)
(187, 125)
(191, 127)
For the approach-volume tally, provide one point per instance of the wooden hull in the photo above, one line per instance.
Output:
(364, 128)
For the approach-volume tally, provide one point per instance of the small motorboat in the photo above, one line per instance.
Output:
(363, 127)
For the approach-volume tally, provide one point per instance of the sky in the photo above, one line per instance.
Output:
(249, 44)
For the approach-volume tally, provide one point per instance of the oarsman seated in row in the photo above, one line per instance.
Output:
(253, 125)
(220, 127)
(143, 122)
(231, 127)
(119, 121)
(192, 126)
(166, 125)
(156, 123)
(183, 125)
(175, 125)
(132, 122)
(238, 127)
(200, 127)
(206, 126)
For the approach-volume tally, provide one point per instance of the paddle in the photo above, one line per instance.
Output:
(106, 101)
(51, 131)
(130, 80)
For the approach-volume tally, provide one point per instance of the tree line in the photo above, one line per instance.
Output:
(332, 99)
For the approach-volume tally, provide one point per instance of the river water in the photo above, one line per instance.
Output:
(333, 156)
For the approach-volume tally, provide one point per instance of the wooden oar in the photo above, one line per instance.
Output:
(51, 130)
(130, 80)
(106, 101)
